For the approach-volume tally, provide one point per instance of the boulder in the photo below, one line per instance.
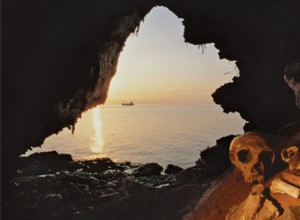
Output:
(172, 169)
(148, 169)
(217, 157)
(44, 163)
(50, 155)
(99, 165)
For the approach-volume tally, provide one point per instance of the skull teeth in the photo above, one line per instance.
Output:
(260, 179)
(254, 171)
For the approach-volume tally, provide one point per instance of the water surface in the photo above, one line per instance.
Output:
(162, 133)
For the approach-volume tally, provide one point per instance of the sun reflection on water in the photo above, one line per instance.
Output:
(97, 145)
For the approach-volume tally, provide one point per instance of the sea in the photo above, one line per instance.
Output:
(145, 133)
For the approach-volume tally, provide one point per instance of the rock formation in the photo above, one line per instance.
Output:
(59, 58)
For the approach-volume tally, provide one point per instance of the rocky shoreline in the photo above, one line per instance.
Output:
(53, 186)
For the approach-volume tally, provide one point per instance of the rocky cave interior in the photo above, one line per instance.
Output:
(60, 57)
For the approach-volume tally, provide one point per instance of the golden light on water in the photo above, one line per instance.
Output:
(97, 146)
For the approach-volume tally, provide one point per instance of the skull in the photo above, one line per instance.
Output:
(291, 155)
(292, 78)
(252, 155)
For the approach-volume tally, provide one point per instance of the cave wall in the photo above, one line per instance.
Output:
(59, 57)
(262, 36)
(59, 60)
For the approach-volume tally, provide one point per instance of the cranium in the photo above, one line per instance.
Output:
(252, 155)
(291, 155)
(292, 78)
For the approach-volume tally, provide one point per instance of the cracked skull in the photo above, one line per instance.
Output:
(252, 155)
(292, 78)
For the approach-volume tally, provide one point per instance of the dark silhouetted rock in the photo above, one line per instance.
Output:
(190, 175)
(217, 157)
(77, 189)
(99, 164)
(148, 170)
(44, 163)
(162, 204)
(172, 169)
(50, 155)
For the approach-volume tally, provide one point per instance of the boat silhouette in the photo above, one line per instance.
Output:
(128, 103)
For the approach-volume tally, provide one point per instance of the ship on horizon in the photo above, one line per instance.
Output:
(128, 104)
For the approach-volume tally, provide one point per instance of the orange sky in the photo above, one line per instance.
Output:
(157, 66)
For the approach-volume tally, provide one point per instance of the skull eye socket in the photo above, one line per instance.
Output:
(266, 157)
(288, 154)
(243, 156)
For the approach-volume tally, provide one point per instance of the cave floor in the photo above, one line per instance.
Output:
(234, 190)
(50, 186)
(54, 187)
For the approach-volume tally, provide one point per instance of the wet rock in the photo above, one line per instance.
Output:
(82, 185)
(126, 163)
(133, 187)
(24, 179)
(81, 178)
(111, 184)
(156, 181)
(119, 175)
(54, 196)
(99, 165)
(148, 170)
(110, 190)
(110, 196)
(172, 169)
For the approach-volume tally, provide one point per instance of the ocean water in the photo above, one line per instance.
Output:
(162, 133)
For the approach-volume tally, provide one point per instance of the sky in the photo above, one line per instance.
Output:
(157, 66)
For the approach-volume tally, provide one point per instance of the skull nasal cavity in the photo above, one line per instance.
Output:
(243, 156)
(256, 168)
(266, 157)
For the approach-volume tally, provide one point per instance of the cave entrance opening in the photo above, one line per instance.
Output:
(170, 83)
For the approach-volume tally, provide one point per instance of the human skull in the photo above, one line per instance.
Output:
(252, 155)
(291, 155)
(292, 78)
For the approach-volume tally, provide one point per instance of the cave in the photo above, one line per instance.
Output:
(155, 67)
(59, 58)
